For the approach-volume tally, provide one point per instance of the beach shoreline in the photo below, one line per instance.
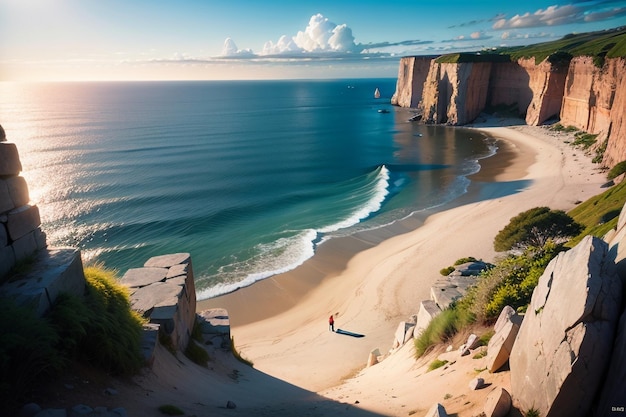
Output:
(372, 280)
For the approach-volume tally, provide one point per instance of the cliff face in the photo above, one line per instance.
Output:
(594, 100)
(455, 93)
(591, 98)
(411, 77)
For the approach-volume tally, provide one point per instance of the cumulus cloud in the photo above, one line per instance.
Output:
(320, 35)
(561, 15)
(474, 36)
(230, 50)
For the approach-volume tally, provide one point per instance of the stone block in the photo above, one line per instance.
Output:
(18, 191)
(22, 220)
(498, 403)
(3, 136)
(141, 277)
(144, 299)
(436, 410)
(476, 383)
(444, 296)
(40, 238)
(4, 236)
(214, 321)
(373, 357)
(6, 202)
(7, 261)
(25, 246)
(10, 164)
(54, 271)
(428, 310)
(166, 261)
(613, 393)
(149, 340)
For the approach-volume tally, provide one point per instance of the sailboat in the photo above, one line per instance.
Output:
(377, 93)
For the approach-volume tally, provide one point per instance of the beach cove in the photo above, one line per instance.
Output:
(373, 280)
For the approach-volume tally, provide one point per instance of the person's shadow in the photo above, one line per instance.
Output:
(347, 333)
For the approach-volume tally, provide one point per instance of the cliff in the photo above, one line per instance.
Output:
(583, 87)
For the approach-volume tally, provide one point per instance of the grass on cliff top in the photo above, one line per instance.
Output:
(464, 57)
(609, 43)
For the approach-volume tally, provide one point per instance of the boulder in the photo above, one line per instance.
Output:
(476, 383)
(427, 311)
(498, 403)
(501, 343)
(436, 410)
(564, 343)
(373, 357)
(613, 394)
(404, 332)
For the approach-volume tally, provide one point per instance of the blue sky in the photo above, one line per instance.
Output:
(252, 39)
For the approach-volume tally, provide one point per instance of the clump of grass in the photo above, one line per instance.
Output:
(586, 140)
(441, 328)
(113, 339)
(171, 410)
(480, 355)
(436, 364)
(197, 354)
(237, 355)
(484, 338)
(447, 396)
(532, 413)
(446, 271)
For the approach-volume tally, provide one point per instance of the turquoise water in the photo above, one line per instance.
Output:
(248, 176)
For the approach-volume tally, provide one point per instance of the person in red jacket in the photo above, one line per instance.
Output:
(331, 323)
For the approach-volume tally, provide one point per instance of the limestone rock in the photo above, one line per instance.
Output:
(427, 311)
(436, 410)
(613, 394)
(141, 277)
(501, 343)
(10, 164)
(231, 405)
(498, 403)
(373, 357)
(564, 343)
(476, 383)
(411, 76)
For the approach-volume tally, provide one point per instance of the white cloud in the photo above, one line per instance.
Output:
(560, 15)
(320, 35)
(230, 50)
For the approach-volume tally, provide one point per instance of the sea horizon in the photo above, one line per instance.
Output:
(250, 177)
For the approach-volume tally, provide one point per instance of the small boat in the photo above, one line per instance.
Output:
(383, 111)
(377, 93)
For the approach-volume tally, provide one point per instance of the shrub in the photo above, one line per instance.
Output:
(586, 140)
(446, 271)
(462, 261)
(510, 282)
(197, 354)
(535, 227)
(617, 170)
(171, 410)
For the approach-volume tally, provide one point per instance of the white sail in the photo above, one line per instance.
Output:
(377, 93)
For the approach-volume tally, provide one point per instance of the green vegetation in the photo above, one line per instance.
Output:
(584, 139)
(558, 127)
(441, 328)
(464, 57)
(99, 328)
(534, 228)
(510, 282)
(532, 413)
(197, 354)
(436, 364)
(113, 336)
(171, 410)
(599, 45)
(237, 355)
(480, 354)
(447, 270)
(617, 170)
(600, 213)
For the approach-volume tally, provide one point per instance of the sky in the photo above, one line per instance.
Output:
(80, 40)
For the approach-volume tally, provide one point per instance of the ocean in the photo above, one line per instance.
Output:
(250, 177)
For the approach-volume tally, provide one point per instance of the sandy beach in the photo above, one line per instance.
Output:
(372, 281)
